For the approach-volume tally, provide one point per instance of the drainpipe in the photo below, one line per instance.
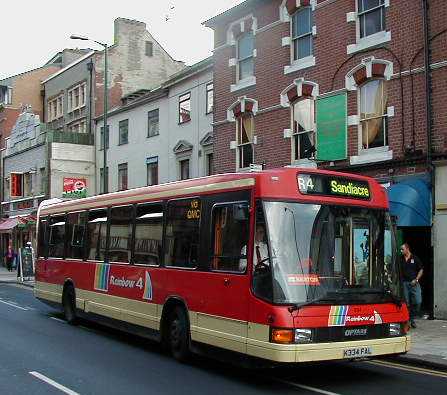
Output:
(429, 127)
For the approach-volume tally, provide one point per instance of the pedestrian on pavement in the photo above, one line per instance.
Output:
(412, 270)
(10, 255)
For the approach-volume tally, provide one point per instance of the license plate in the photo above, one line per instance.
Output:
(357, 352)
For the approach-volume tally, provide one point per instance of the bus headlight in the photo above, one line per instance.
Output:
(395, 329)
(303, 336)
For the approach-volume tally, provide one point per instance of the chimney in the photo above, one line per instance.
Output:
(125, 27)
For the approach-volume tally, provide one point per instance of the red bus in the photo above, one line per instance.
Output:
(289, 265)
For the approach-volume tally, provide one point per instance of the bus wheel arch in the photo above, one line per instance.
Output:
(175, 329)
(69, 302)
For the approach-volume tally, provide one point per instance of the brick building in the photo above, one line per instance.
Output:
(342, 84)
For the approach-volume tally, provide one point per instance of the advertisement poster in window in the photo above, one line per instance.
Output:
(332, 127)
(74, 188)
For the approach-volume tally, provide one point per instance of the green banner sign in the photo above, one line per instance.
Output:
(332, 127)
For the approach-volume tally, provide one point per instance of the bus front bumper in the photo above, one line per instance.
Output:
(330, 351)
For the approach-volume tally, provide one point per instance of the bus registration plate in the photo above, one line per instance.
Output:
(357, 352)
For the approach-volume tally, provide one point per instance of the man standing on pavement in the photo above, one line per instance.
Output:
(412, 271)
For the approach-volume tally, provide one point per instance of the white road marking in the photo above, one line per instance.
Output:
(58, 320)
(53, 383)
(304, 387)
(13, 305)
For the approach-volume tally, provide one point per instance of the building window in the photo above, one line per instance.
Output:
(80, 127)
(209, 164)
(244, 130)
(102, 137)
(77, 97)
(184, 108)
(16, 184)
(153, 123)
(245, 61)
(55, 108)
(152, 170)
(27, 184)
(5, 94)
(209, 97)
(303, 129)
(122, 176)
(149, 49)
(371, 14)
(184, 169)
(302, 33)
(373, 114)
(101, 180)
(123, 132)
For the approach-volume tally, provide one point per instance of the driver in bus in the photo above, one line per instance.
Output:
(260, 253)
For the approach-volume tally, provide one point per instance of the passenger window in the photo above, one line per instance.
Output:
(76, 235)
(182, 233)
(148, 234)
(42, 247)
(120, 234)
(230, 228)
(57, 236)
(97, 232)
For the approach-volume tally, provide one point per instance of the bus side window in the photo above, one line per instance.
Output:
(148, 234)
(230, 225)
(97, 232)
(42, 246)
(183, 233)
(121, 219)
(76, 235)
(57, 236)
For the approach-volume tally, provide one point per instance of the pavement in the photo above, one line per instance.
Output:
(11, 277)
(428, 340)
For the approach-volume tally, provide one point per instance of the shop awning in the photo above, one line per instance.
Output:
(410, 202)
(8, 224)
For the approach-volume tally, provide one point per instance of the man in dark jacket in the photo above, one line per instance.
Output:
(412, 271)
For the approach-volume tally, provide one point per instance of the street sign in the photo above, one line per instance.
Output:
(26, 263)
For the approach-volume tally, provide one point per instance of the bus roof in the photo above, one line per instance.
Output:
(281, 184)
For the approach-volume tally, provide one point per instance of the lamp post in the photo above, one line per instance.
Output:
(105, 175)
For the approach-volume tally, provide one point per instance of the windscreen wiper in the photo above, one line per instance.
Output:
(298, 306)
(384, 291)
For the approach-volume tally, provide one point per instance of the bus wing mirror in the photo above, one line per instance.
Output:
(240, 212)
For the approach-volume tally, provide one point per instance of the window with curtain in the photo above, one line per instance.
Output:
(302, 33)
(373, 116)
(244, 129)
(303, 126)
(371, 14)
(245, 62)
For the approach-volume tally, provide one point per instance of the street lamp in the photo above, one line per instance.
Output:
(104, 174)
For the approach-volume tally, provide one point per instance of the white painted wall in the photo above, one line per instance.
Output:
(71, 160)
(141, 147)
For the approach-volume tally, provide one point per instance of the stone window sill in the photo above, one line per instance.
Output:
(369, 42)
(300, 64)
(371, 156)
(242, 84)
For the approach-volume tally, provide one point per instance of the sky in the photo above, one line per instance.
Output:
(34, 31)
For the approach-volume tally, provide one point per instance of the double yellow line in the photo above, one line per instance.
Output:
(408, 368)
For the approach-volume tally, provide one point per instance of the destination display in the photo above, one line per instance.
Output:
(317, 184)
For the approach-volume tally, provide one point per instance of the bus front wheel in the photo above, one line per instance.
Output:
(179, 335)
(69, 305)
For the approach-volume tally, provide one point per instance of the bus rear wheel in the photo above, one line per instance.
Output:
(179, 335)
(69, 305)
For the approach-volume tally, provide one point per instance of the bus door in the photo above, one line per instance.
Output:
(227, 285)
